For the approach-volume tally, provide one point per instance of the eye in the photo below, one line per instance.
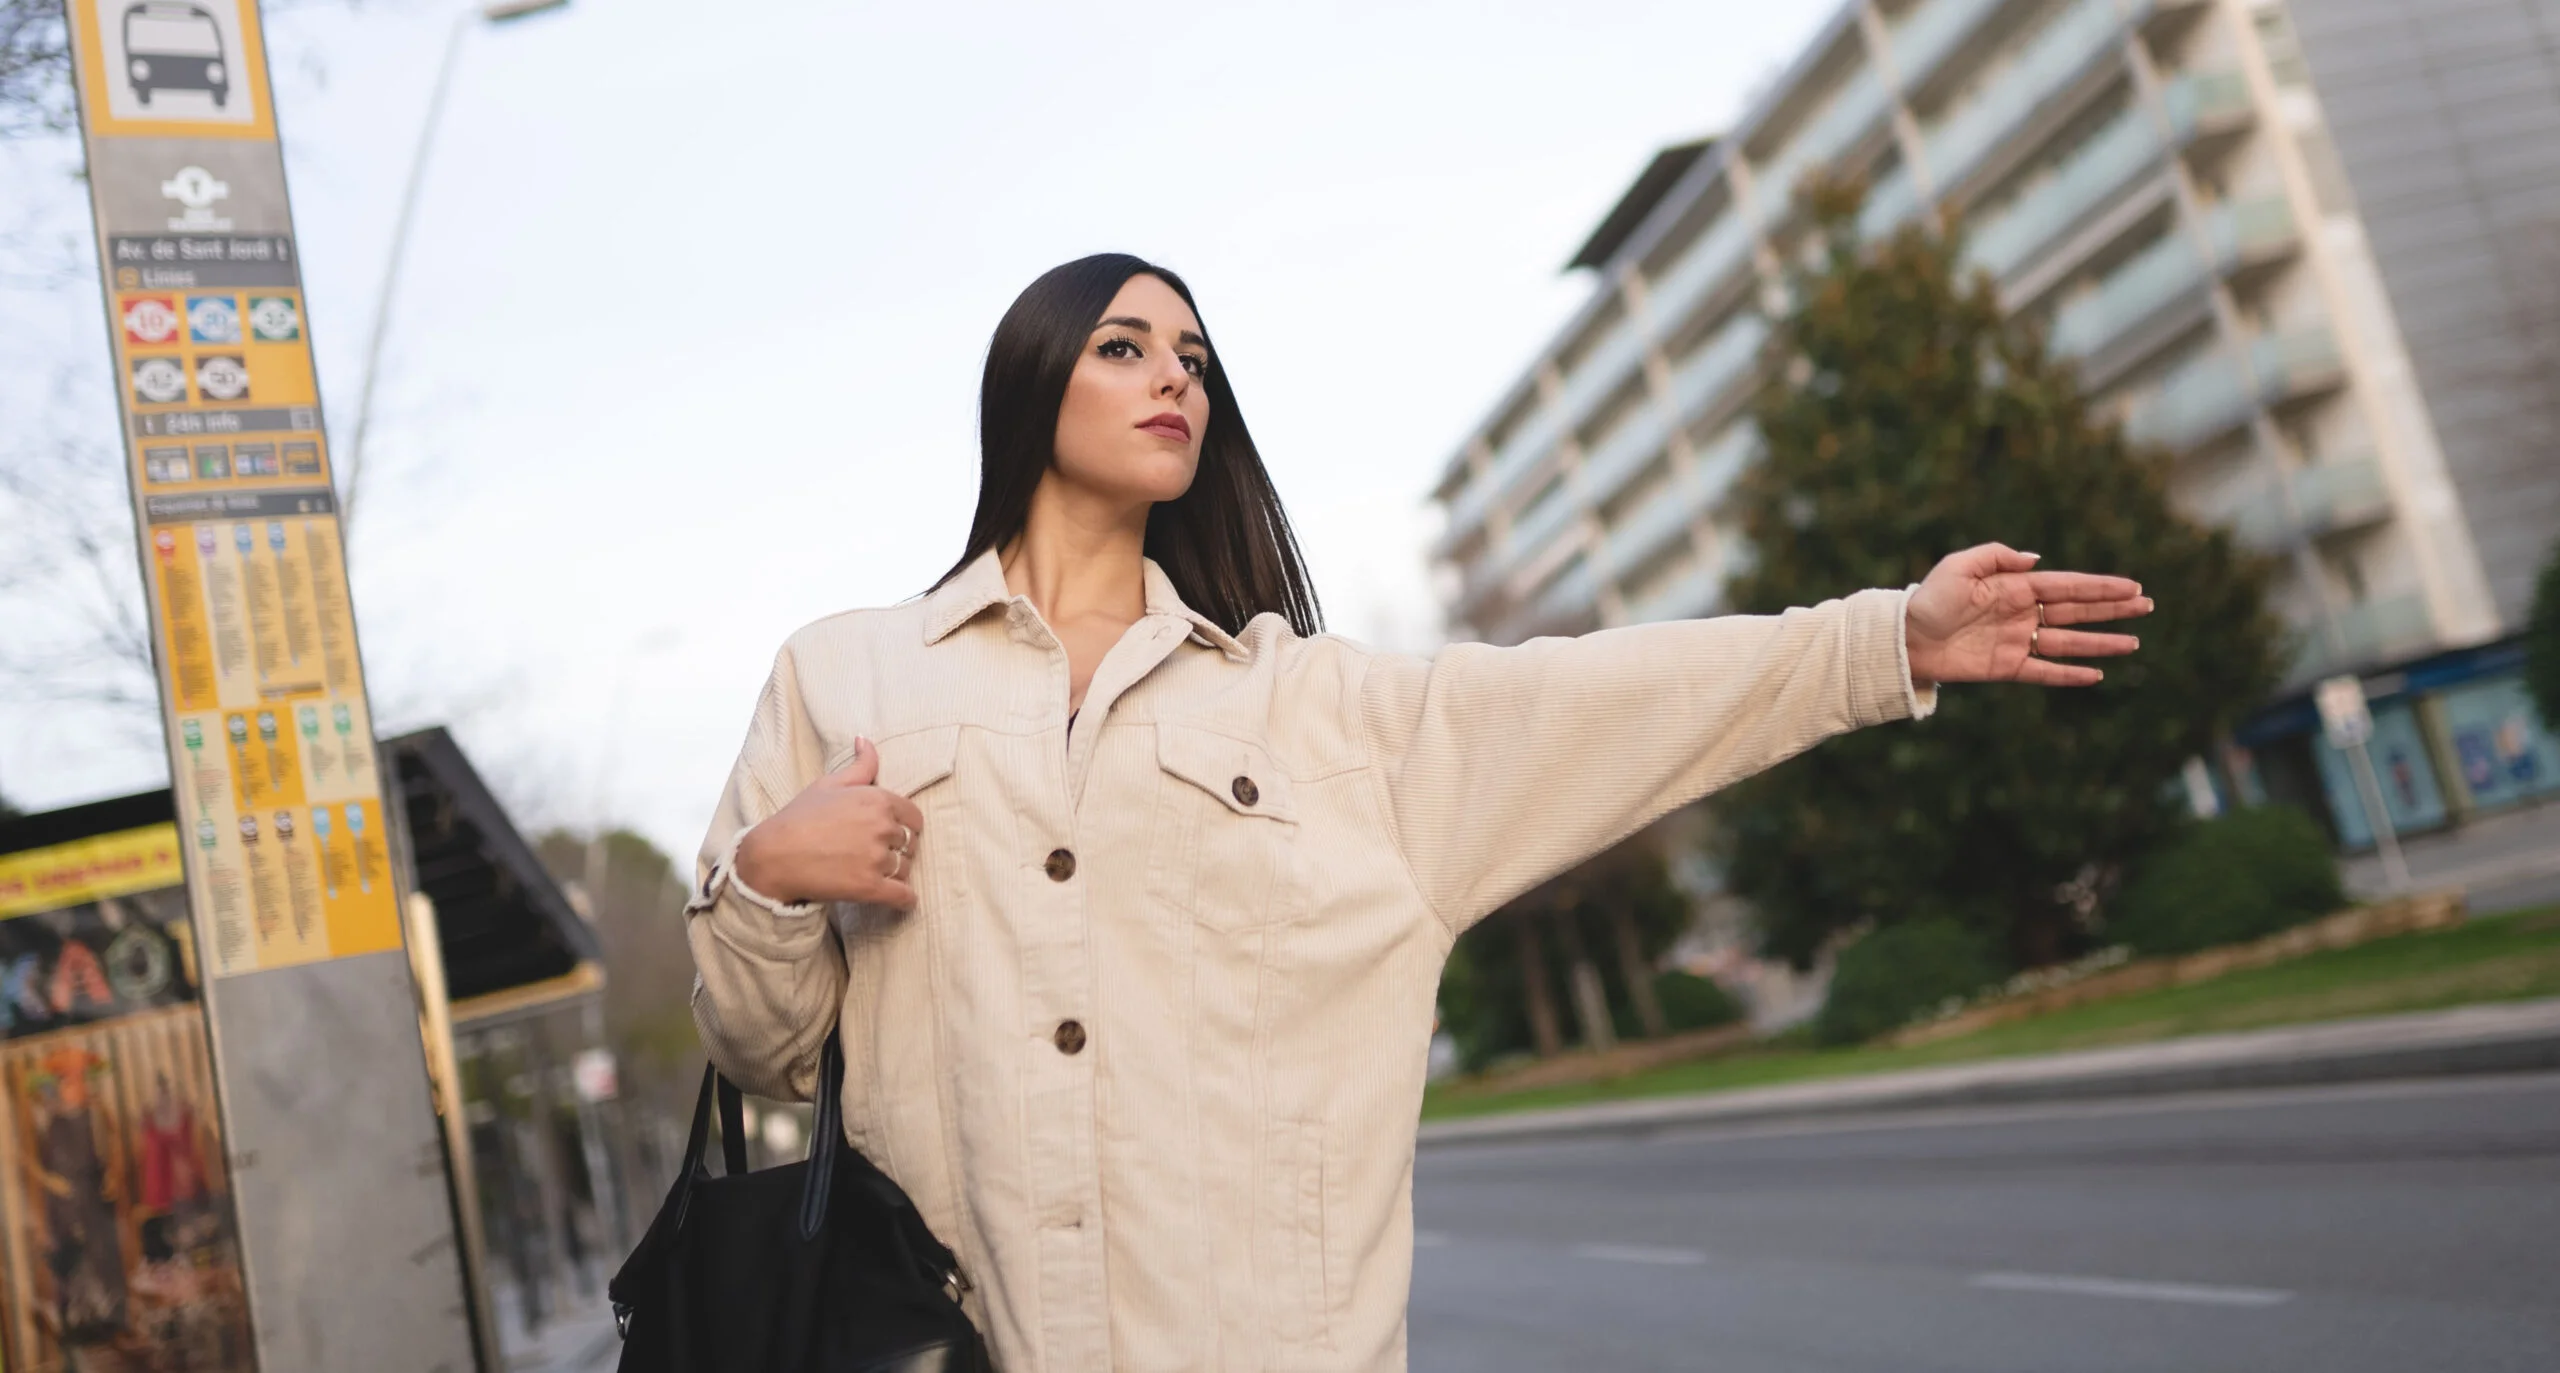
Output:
(1118, 348)
(1195, 364)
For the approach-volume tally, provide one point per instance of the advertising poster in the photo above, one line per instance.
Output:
(115, 1205)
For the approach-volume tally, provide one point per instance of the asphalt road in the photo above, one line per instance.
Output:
(2385, 1227)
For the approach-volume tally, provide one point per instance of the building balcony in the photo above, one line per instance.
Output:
(1572, 599)
(2203, 103)
(2143, 285)
(1727, 359)
(1933, 30)
(2248, 232)
(2078, 36)
(1694, 593)
(1642, 533)
(1626, 452)
(2126, 149)
(2296, 363)
(2207, 397)
(2374, 634)
(1603, 368)
(1539, 524)
(1601, 371)
(1719, 255)
(1890, 202)
(2333, 497)
(1853, 110)
(2105, 327)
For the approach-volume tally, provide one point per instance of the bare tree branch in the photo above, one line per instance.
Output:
(35, 69)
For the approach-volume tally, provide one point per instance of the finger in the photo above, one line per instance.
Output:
(895, 894)
(2007, 559)
(2076, 643)
(2052, 587)
(2044, 672)
(1985, 559)
(905, 812)
(2096, 612)
(862, 769)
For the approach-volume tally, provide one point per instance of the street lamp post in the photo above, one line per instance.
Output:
(488, 12)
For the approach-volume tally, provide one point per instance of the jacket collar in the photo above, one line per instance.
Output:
(981, 585)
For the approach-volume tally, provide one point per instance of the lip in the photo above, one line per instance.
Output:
(1168, 425)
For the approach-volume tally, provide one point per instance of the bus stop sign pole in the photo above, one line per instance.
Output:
(339, 1171)
(2348, 722)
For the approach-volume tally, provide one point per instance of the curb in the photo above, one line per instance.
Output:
(2515, 1037)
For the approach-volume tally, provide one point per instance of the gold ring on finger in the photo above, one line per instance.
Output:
(2035, 637)
(906, 838)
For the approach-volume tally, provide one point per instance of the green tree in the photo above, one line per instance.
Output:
(634, 896)
(1908, 419)
(2542, 643)
(1619, 912)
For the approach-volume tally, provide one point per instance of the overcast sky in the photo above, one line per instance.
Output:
(687, 343)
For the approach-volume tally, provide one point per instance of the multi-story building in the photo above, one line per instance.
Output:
(2264, 231)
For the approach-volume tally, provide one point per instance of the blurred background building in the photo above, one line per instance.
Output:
(2278, 241)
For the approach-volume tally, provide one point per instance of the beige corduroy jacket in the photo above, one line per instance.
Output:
(1149, 1052)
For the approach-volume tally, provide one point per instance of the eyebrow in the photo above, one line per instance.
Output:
(1133, 322)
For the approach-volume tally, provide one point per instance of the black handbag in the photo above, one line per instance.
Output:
(816, 1267)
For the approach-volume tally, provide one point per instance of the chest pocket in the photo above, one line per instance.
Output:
(1227, 832)
(915, 766)
(889, 972)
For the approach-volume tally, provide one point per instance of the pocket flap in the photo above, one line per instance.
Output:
(1241, 775)
(911, 762)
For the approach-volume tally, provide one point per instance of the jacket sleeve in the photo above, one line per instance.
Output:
(1502, 767)
(769, 976)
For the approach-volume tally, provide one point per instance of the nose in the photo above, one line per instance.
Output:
(1173, 380)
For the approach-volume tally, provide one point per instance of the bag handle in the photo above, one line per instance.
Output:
(826, 1132)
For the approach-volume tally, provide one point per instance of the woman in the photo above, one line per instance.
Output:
(1129, 891)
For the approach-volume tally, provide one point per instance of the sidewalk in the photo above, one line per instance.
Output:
(2506, 862)
(2519, 1036)
(580, 1339)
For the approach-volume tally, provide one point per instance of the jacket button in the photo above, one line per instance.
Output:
(1246, 792)
(1070, 1037)
(1061, 865)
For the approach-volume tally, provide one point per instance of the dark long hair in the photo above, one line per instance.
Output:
(1225, 543)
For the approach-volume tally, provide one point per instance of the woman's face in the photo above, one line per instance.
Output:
(1135, 408)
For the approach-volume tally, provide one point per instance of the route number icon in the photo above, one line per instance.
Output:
(273, 319)
(213, 319)
(159, 381)
(151, 319)
(222, 377)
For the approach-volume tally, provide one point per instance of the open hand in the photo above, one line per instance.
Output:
(1986, 615)
(840, 839)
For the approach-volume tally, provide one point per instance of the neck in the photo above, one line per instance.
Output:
(1079, 557)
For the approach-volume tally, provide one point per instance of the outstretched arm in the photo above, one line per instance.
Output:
(1501, 767)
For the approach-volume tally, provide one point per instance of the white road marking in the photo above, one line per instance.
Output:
(2066, 1285)
(1637, 1253)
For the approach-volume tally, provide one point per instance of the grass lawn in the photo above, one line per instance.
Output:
(2504, 958)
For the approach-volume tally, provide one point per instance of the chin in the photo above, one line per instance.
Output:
(1154, 477)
